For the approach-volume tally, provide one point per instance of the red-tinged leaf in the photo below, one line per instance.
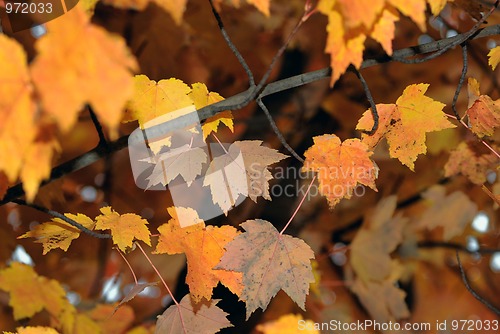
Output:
(340, 166)
(182, 319)
(269, 262)
(483, 112)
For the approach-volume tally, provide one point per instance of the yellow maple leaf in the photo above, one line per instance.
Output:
(17, 108)
(406, 123)
(494, 57)
(483, 112)
(437, 5)
(204, 247)
(34, 330)
(202, 97)
(57, 233)
(79, 62)
(37, 163)
(288, 324)
(124, 228)
(30, 293)
(152, 99)
(340, 166)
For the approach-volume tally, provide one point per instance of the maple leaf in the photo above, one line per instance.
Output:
(340, 166)
(175, 8)
(34, 330)
(261, 5)
(383, 300)
(372, 245)
(483, 112)
(204, 247)
(95, 70)
(138, 288)
(17, 108)
(202, 97)
(152, 99)
(57, 233)
(124, 228)
(71, 321)
(494, 57)
(452, 212)
(287, 324)
(110, 320)
(184, 161)
(30, 293)
(209, 319)
(405, 124)
(248, 158)
(269, 262)
(471, 160)
(37, 163)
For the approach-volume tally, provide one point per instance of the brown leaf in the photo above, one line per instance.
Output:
(269, 262)
(182, 319)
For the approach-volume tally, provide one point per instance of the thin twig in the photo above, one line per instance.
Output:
(456, 246)
(64, 218)
(231, 45)
(98, 127)
(278, 132)
(474, 293)
(369, 97)
(464, 37)
(461, 81)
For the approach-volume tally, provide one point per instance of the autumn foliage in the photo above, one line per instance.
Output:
(348, 199)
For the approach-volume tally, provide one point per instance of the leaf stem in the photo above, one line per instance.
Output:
(129, 266)
(298, 206)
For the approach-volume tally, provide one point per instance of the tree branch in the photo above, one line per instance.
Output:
(236, 102)
(474, 293)
(63, 217)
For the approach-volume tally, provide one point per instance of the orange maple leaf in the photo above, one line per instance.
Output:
(17, 109)
(204, 247)
(270, 262)
(79, 62)
(209, 319)
(30, 293)
(57, 233)
(340, 166)
(483, 112)
(405, 124)
(350, 22)
(124, 228)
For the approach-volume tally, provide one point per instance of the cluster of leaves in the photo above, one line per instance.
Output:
(259, 261)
